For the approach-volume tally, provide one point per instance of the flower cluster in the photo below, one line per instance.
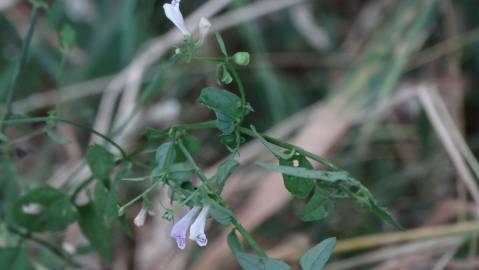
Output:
(197, 229)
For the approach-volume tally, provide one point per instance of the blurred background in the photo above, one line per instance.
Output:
(385, 89)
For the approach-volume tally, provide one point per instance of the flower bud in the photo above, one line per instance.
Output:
(241, 58)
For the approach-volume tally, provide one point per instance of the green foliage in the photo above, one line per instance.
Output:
(3, 137)
(327, 176)
(299, 187)
(221, 44)
(316, 257)
(223, 76)
(55, 137)
(14, 258)
(96, 231)
(253, 262)
(221, 214)
(318, 207)
(100, 161)
(221, 101)
(165, 156)
(44, 208)
(67, 37)
(225, 170)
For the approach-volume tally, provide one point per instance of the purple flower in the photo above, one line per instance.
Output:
(181, 227)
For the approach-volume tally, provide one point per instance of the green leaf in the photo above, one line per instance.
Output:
(181, 172)
(191, 144)
(155, 136)
(44, 208)
(316, 257)
(233, 242)
(55, 136)
(14, 258)
(105, 201)
(271, 147)
(365, 199)
(221, 44)
(3, 137)
(165, 156)
(298, 186)
(67, 37)
(100, 161)
(95, 231)
(225, 123)
(225, 170)
(306, 173)
(220, 214)
(253, 262)
(317, 208)
(221, 101)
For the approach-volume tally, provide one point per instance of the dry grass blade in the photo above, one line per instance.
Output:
(447, 139)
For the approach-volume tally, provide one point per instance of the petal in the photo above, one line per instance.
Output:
(197, 229)
(178, 231)
(173, 13)
(140, 218)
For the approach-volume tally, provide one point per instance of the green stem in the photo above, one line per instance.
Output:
(58, 252)
(18, 71)
(194, 126)
(240, 84)
(146, 192)
(81, 186)
(234, 220)
(291, 147)
(62, 120)
(247, 236)
(209, 59)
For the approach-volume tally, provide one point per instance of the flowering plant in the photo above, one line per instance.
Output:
(174, 167)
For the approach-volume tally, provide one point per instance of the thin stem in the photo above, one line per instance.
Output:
(62, 120)
(292, 147)
(58, 252)
(18, 71)
(247, 236)
(209, 59)
(234, 220)
(146, 192)
(82, 186)
(194, 126)
(240, 84)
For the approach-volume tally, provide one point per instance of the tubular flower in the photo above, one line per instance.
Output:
(181, 227)
(197, 229)
(173, 13)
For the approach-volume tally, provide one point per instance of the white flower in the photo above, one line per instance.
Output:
(173, 13)
(32, 208)
(204, 28)
(181, 227)
(141, 217)
(197, 229)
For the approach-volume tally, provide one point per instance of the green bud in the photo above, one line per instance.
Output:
(241, 58)
(168, 215)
